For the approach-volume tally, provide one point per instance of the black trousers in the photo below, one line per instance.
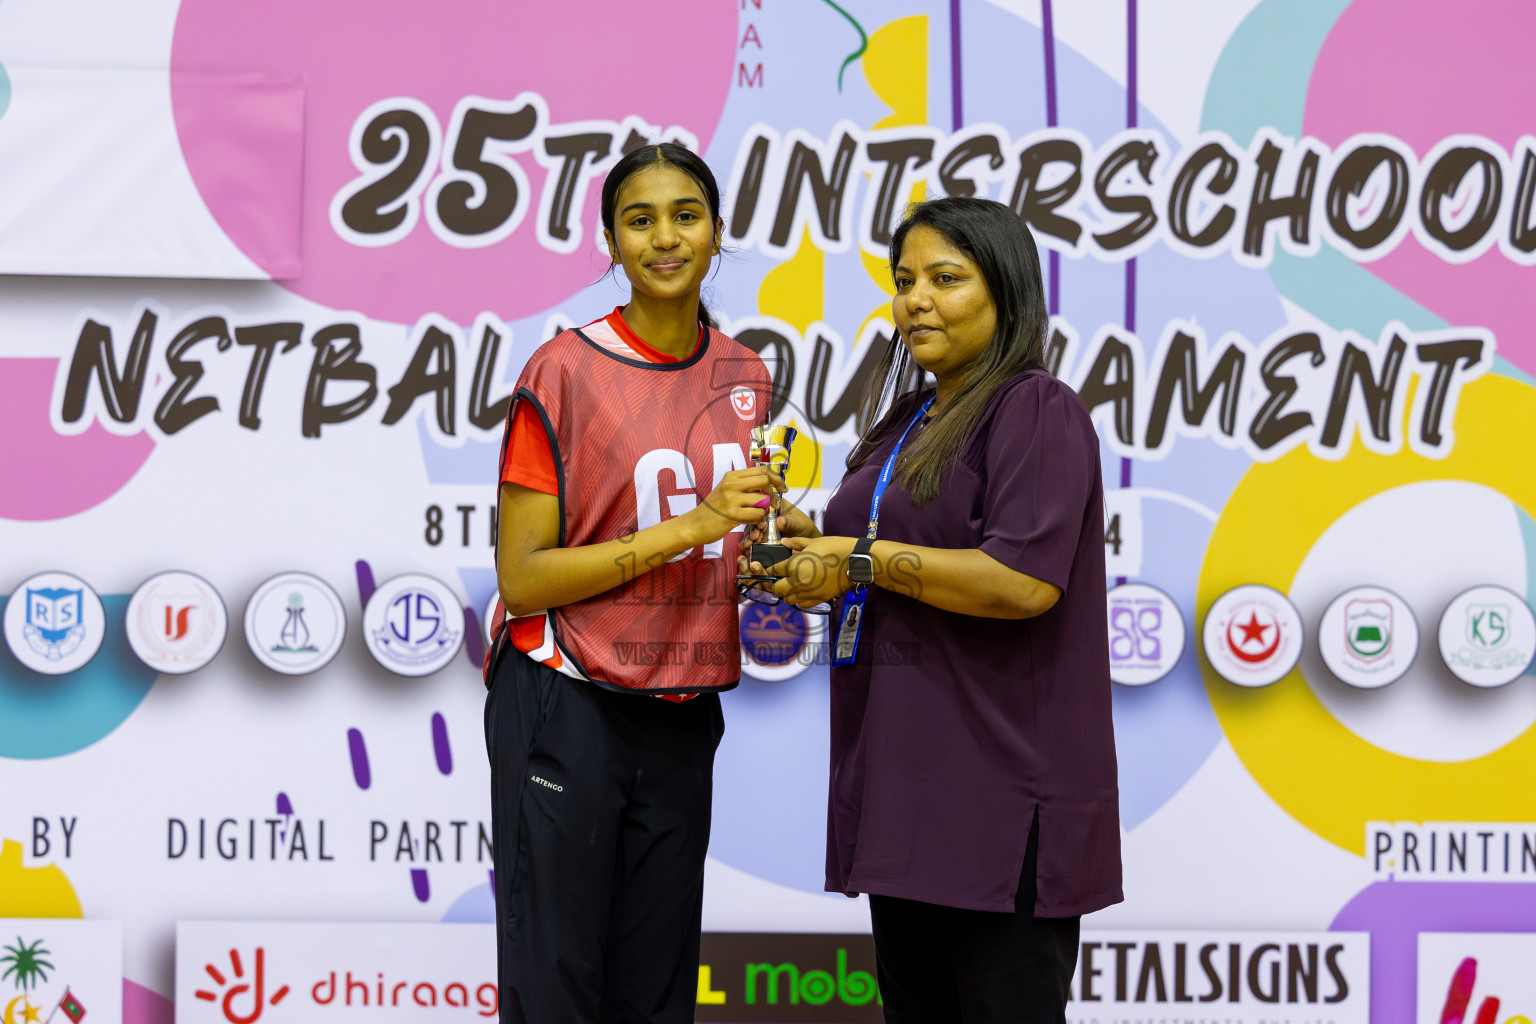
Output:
(600, 805)
(944, 965)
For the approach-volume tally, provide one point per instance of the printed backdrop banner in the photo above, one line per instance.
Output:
(272, 270)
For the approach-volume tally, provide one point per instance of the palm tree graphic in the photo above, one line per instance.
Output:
(26, 963)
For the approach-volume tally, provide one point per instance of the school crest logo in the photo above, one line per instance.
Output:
(54, 623)
(1253, 635)
(413, 625)
(176, 622)
(776, 640)
(295, 623)
(744, 401)
(1368, 628)
(1146, 634)
(1368, 637)
(1488, 636)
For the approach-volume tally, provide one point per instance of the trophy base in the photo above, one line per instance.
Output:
(768, 555)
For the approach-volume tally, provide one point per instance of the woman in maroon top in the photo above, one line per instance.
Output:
(973, 787)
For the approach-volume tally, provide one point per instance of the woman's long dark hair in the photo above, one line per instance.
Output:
(992, 235)
(683, 159)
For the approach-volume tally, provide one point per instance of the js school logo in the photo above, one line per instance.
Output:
(176, 622)
(409, 625)
(54, 623)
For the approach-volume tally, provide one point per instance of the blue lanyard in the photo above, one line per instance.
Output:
(890, 468)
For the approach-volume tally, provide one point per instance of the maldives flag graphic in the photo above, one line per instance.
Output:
(72, 1007)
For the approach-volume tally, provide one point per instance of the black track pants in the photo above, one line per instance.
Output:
(943, 965)
(600, 805)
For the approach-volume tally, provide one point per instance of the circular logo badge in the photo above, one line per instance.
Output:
(1368, 637)
(1487, 636)
(1146, 634)
(744, 401)
(295, 623)
(413, 625)
(54, 623)
(176, 622)
(775, 639)
(1253, 635)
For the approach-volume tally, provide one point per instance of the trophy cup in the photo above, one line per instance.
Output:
(770, 449)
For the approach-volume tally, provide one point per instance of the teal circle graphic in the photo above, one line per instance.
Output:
(51, 716)
(5, 91)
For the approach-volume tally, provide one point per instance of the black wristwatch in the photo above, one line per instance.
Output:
(861, 564)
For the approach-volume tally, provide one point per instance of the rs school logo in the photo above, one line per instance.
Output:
(54, 623)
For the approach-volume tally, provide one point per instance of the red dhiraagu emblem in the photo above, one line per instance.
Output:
(241, 995)
(744, 401)
(1253, 635)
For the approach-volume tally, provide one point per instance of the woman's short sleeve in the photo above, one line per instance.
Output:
(1042, 462)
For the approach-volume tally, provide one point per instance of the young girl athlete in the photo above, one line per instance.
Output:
(624, 485)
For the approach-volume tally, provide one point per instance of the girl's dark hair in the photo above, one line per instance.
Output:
(992, 235)
(683, 159)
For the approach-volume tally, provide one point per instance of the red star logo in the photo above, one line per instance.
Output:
(1253, 630)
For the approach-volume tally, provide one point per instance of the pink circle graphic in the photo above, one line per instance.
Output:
(588, 60)
(1422, 71)
(44, 475)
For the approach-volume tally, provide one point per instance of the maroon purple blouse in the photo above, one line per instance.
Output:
(949, 731)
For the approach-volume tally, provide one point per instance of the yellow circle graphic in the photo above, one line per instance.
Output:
(1321, 773)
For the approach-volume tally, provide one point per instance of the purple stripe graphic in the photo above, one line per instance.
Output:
(1130, 63)
(359, 751)
(420, 885)
(440, 744)
(1130, 264)
(365, 585)
(1047, 26)
(1048, 31)
(956, 84)
(474, 639)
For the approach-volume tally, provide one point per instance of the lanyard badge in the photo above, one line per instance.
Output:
(851, 613)
(850, 624)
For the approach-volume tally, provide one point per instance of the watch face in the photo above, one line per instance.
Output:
(861, 568)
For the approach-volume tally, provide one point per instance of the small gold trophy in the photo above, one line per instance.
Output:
(770, 448)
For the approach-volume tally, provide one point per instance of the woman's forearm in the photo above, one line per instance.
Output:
(964, 580)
